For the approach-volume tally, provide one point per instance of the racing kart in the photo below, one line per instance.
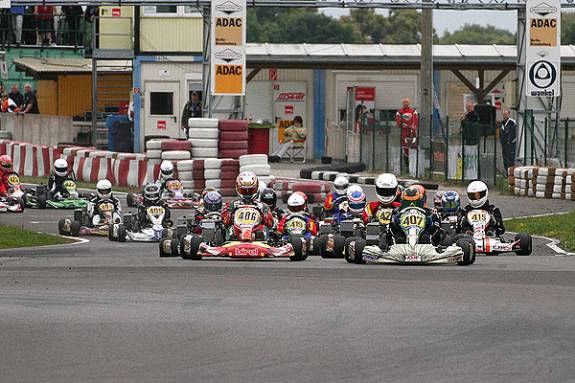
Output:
(210, 227)
(488, 243)
(132, 229)
(295, 226)
(247, 238)
(81, 224)
(412, 222)
(173, 196)
(14, 200)
(38, 198)
(332, 236)
(373, 233)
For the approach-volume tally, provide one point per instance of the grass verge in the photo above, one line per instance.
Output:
(13, 237)
(79, 184)
(560, 226)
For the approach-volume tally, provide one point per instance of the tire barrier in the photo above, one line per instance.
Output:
(204, 137)
(233, 141)
(542, 182)
(316, 191)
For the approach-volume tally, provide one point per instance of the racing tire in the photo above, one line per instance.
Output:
(195, 243)
(358, 251)
(231, 145)
(204, 152)
(154, 154)
(172, 145)
(233, 125)
(297, 245)
(204, 143)
(111, 233)
(61, 224)
(41, 200)
(163, 254)
(208, 133)
(175, 246)
(338, 246)
(253, 159)
(203, 123)
(131, 200)
(219, 237)
(233, 135)
(314, 247)
(468, 247)
(185, 165)
(122, 233)
(75, 228)
(322, 248)
(526, 244)
(176, 155)
(232, 153)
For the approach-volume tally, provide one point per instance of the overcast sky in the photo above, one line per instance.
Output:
(453, 20)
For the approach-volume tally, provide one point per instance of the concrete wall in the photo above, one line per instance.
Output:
(38, 128)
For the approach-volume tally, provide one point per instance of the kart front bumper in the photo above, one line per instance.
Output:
(237, 249)
(419, 254)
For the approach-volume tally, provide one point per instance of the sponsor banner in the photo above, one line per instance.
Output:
(289, 100)
(228, 48)
(543, 48)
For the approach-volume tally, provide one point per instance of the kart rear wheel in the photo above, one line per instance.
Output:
(468, 247)
(163, 254)
(41, 201)
(322, 246)
(195, 243)
(297, 245)
(358, 251)
(111, 233)
(122, 233)
(175, 245)
(61, 225)
(525, 243)
(219, 237)
(338, 246)
(315, 244)
(349, 246)
(131, 200)
(75, 228)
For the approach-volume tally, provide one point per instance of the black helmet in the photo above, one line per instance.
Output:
(152, 193)
(269, 197)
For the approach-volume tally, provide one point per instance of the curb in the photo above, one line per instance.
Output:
(330, 175)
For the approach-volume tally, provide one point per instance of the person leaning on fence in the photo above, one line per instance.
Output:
(8, 105)
(508, 139)
(30, 105)
(293, 133)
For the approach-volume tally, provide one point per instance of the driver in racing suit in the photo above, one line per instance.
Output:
(477, 193)
(269, 198)
(247, 187)
(336, 197)
(103, 194)
(56, 181)
(297, 205)
(5, 171)
(151, 196)
(166, 175)
(211, 203)
(387, 190)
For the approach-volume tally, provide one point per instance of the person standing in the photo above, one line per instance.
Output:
(293, 133)
(45, 17)
(407, 119)
(15, 95)
(508, 139)
(17, 20)
(192, 109)
(73, 15)
(30, 105)
(469, 121)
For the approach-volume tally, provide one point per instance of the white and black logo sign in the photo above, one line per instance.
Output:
(542, 74)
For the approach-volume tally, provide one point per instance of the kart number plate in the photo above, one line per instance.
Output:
(106, 207)
(295, 224)
(478, 217)
(13, 179)
(413, 258)
(156, 210)
(247, 216)
(174, 185)
(384, 216)
(412, 218)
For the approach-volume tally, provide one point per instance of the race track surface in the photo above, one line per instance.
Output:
(109, 312)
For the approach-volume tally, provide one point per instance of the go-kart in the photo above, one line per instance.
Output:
(81, 224)
(173, 196)
(332, 236)
(295, 226)
(488, 243)
(412, 222)
(14, 200)
(247, 238)
(373, 233)
(153, 230)
(39, 198)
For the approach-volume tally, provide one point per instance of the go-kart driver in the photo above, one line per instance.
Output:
(211, 203)
(387, 190)
(449, 204)
(151, 196)
(56, 181)
(269, 198)
(337, 196)
(297, 204)
(166, 174)
(353, 206)
(103, 194)
(413, 197)
(5, 171)
(247, 187)
(477, 194)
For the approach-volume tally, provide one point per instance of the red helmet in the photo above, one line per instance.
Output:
(6, 162)
(247, 186)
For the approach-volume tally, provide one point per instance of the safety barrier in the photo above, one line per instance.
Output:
(543, 182)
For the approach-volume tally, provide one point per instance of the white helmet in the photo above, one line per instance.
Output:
(61, 167)
(297, 202)
(386, 187)
(340, 185)
(104, 188)
(167, 170)
(477, 193)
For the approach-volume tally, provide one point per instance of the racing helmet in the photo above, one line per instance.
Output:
(212, 201)
(297, 202)
(6, 162)
(477, 193)
(152, 193)
(104, 189)
(61, 167)
(247, 185)
(356, 199)
(386, 187)
(208, 189)
(269, 197)
(437, 199)
(423, 193)
(450, 201)
(340, 185)
(167, 170)
(412, 197)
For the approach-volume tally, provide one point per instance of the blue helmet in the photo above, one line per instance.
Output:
(450, 201)
(356, 199)
(212, 201)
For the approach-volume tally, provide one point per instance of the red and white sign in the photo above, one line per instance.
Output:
(161, 124)
(288, 109)
(116, 12)
(273, 75)
(289, 101)
(364, 93)
(290, 97)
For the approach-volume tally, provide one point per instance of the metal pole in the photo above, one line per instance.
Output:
(532, 127)
(206, 65)
(495, 160)
(387, 143)
(426, 85)
(525, 139)
(566, 139)
(94, 83)
(446, 141)
(545, 142)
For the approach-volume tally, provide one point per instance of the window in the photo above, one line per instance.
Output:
(170, 11)
(161, 103)
(166, 9)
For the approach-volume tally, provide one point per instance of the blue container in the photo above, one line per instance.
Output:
(113, 124)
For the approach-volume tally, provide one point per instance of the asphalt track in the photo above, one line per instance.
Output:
(109, 312)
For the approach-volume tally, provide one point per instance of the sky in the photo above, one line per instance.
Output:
(453, 20)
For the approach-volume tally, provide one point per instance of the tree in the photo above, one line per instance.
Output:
(400, 27)
(567, 28)
(477, 34)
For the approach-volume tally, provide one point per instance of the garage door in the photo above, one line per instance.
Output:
(389, 90)
(568, 97)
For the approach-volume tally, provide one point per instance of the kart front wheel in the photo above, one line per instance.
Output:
(322, 246)
(122, 233)
(354, 250)
(62, 227)
(111, 233)
(297, 245)
(131, 200)
(525, 244)
(338, 246)
(195, 243)
(468, 247)
(75, 228)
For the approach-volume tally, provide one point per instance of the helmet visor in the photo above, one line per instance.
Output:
(105, 191)
(451, 206)
(476, 196)
(248, 191)
(213, 206)
(297, 208)
(385, 192)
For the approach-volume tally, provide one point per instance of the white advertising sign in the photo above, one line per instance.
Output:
(543, 48)
(228, 48)
(5, 4)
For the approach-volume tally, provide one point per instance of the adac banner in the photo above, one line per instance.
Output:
(228, 47)
(543, 48)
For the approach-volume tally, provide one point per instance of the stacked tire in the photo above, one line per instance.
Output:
(198, 176)
(175, 151)
(154, 150)
(230, 169)
(186, 174)
(257, 163)
(212, 173)
(204, 136)
(233, 136)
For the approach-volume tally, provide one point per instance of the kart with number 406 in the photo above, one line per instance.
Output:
(81, 223)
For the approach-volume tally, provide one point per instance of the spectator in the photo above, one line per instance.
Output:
(8, 106)
(508, 139)
(73, 15)
(17, 21)
(192, 109)
(469, 126)
(29, 36)
(15, 95)
(58, 24)
(90, 15)
(5, 27)
(407, 120)
(295, 132)
(45, 18)
(30, 105)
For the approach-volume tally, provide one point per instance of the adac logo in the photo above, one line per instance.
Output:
(228, 55)
(229, 7)
(543, 9)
